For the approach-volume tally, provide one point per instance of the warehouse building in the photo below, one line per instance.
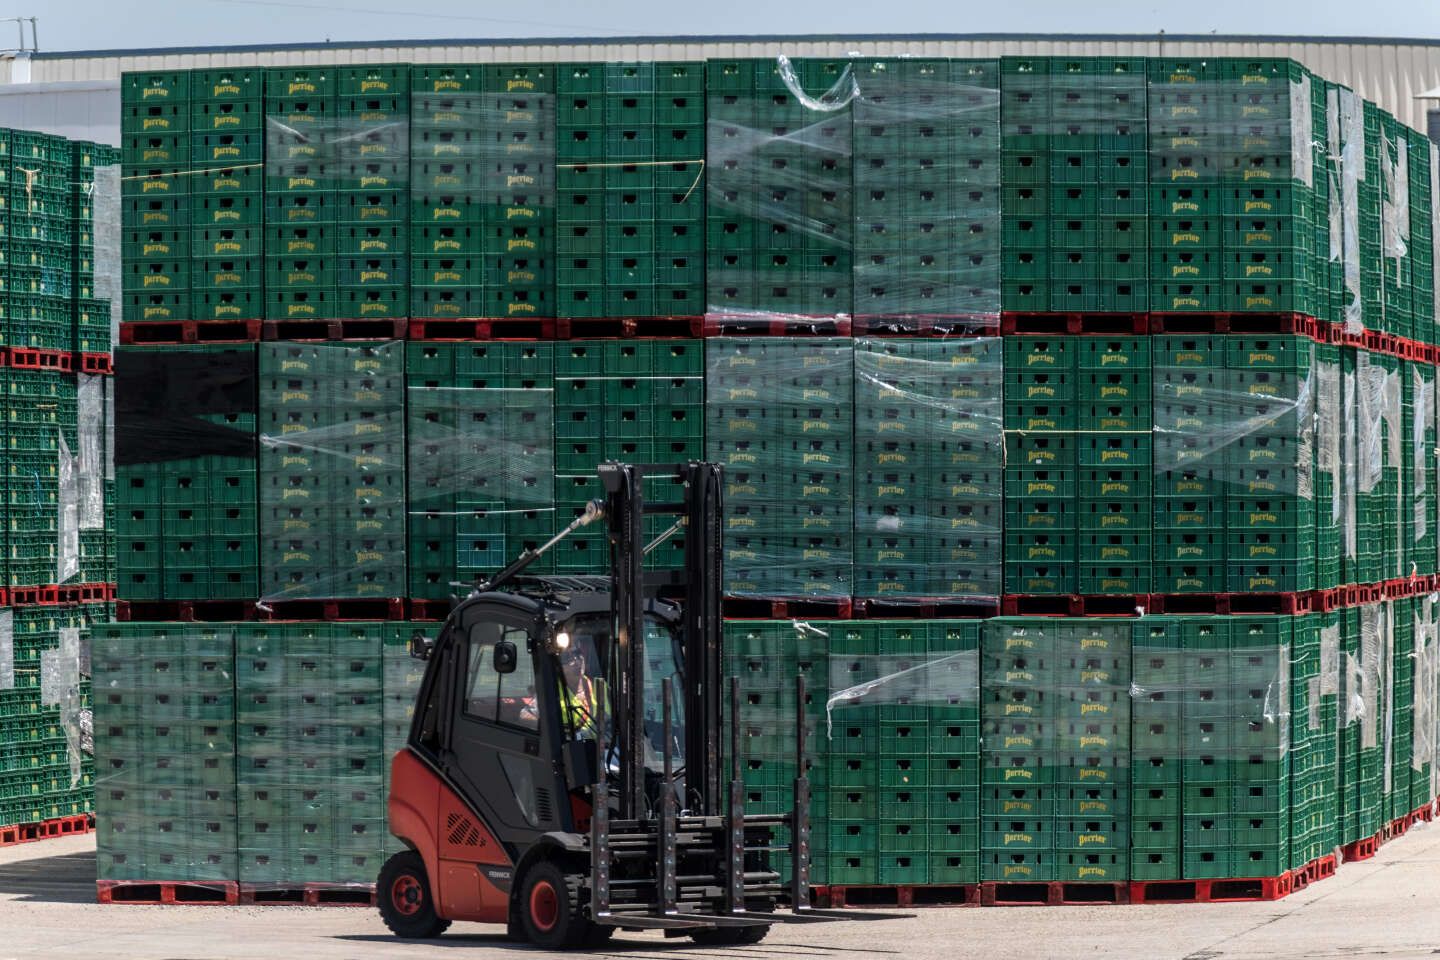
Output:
(74, 93)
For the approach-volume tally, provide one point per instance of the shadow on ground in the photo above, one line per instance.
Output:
(621, 945)
(62, 879)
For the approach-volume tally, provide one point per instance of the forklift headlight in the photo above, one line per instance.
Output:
(562, 641)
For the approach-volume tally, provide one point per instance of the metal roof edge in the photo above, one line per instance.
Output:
(741, 38)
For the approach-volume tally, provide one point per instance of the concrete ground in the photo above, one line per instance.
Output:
(1386, 907)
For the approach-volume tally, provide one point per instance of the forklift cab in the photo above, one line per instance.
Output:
(511, 697)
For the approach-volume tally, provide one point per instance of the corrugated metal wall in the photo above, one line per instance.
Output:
(1390, 73)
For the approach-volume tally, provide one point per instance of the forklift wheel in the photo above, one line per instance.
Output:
(729, 936)
(403, 893)
(550, 909)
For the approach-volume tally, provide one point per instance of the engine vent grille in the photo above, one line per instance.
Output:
(460, 832)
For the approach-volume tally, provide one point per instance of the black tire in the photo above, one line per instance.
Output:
(406, 904)
(550, 911)
(730, 936)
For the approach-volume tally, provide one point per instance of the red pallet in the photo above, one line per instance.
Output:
(1211, 891)
(1313, 872)
(18, 833)
(1362, 849)
(429, 609)
(1396, 828)
(612, 328)
(1057, 323)
(781, 608)
(939, 895)
(1363, 593)
(309, 895)
(1330, 333)
(85, 592)
(927, 608)
(137, 332)
(213, 611)
(207, 893)
(370, 329)
(520, 328)
(796, 326)
(1402, 587)
(186, 611)
(1224, 604)
(1203, 322)
(967, 325)
(1052, 893)
(25, 358)
(34, 596)
(1070, 605)
(101, 363)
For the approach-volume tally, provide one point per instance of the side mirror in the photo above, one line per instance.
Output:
(506, 657)
(421, 646)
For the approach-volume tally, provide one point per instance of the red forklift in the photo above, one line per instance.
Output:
(565, 772)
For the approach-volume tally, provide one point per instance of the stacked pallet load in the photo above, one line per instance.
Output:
(60, 276)
(1077, 418)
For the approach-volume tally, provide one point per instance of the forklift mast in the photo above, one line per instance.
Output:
(699, 587)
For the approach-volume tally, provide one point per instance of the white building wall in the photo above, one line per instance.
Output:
(1389, 72)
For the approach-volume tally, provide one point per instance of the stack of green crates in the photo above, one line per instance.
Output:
(929, 469)
(44, 772)
(251, 752)
(447, 238)
(1314, 727)
(165, 751)
(780, 419)
(227, 156)
(186, 526)
(92, 315)
(1238, 189)
(1017, 756)
(517, 205)
(1114, 464)
(832, 188)
(308, 752)
(40, 430)
(879, 798)
(780, 212)
(1274, 187)
(332, 470)
(302, 171)
(1235, 773)
(1210, 762)
(1270, 507)
(1091, 785)
(1041, 400)
(1156, 730)
(766, 657)
(1417, 478)
(482, 459)
(40, 238)
(632, 401)
(1402, 721)
(400, 685)
(926, 193)
(1055, 750)
(630, 195)
(1423, 188)
(372, 152)
(155, 132)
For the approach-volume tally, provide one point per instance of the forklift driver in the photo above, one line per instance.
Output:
(578, 690)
